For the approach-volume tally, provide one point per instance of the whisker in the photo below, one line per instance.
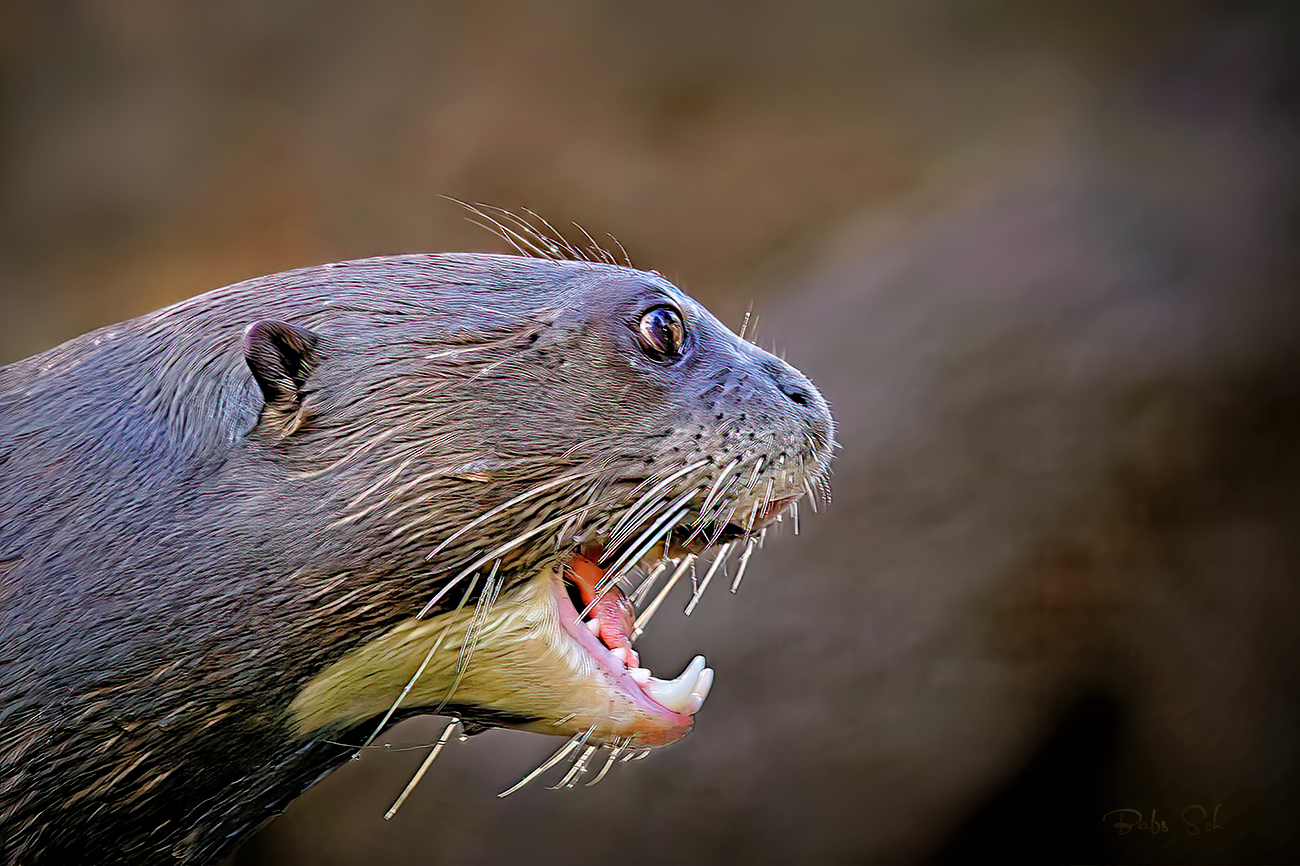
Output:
(615, 751)
(575, 772)
(812, 497)
(634, 516)
(657, 525)
(500, 231)
(721, 557)
(557, 246)
(713, 492)
(491, 589)
(753, 515)
(626, 258)
(424, 768)
(574, 253)
(644, 619)
(574, 742)
(522, 497)
(505, 548)
(370, 443)
(632, 556)
(437, 596)
(473, 632)
(526, 244)
(597, 249)
(643, 588)
(361, 497)
(744, 562)
(661, 529)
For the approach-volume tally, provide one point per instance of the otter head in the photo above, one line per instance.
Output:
(527, 443)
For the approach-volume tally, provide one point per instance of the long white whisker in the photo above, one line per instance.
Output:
(501, 233)
(713, 492)
(493, 512)
(656, 527)
(630, 558)
(744, 561)
(643, 588)
(662, 530)
(723, 553)
(572, 743)
(481, 609)
(473, 632)
(596, 248)
(575, 772)
(555, 244)
(614, 753)
(503, 549)
(361, 497)
(753, 515)
(812, 497)
(634, 516)
(574, 252)
(523, 244)
(424, 768)
(644, 619)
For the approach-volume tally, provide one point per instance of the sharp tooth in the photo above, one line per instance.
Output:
(703, 684)
(620, 653)
(677, 695)
(593, 626)
(700, 692)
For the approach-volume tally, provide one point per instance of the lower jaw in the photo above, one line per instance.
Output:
(532, 659)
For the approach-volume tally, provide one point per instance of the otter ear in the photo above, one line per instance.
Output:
(281, 357)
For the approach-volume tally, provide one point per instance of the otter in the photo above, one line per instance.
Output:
(243, 534)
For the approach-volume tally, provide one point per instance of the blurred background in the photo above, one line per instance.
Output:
(1041, 258)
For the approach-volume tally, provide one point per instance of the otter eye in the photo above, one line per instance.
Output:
(663, 333)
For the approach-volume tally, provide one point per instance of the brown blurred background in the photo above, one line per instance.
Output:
(1041, 258)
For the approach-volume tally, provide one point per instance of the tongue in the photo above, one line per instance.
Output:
(612, 612)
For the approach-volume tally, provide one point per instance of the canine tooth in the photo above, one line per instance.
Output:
(676, 694)
(640, 676)
(620, 653)
(593, 626)
(703, 684)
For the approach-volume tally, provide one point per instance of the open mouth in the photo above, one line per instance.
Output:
(602, 621)
(601, 618)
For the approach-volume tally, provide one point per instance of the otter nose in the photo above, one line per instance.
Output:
(800, 395)
(799, 391)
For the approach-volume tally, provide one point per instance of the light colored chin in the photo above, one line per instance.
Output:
(523, 662)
